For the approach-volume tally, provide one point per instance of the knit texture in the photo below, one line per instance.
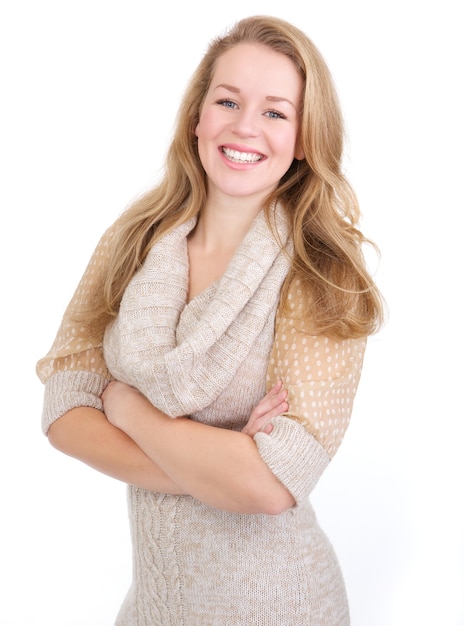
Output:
(183, 371)
(212, 359)
(299, 474)
(68, 390)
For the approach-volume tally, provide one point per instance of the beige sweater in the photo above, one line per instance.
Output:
(212, 359)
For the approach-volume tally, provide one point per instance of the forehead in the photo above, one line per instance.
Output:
(248, 64)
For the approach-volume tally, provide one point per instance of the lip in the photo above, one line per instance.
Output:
(243, 149)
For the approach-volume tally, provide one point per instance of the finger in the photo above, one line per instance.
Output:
(273, 392)
(256, 424)
(267, 428)
(275, 389)
(268, 404)
(280, 408)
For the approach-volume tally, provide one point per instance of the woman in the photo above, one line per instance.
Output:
(240, 273)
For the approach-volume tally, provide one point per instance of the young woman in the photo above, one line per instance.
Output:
(211, 353)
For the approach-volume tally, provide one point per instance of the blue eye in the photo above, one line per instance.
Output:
(229, 104)
(275, 115)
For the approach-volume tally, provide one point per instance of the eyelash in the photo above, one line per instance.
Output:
(275, 115)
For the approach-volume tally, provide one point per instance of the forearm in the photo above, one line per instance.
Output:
(85, 434)
(219, 467)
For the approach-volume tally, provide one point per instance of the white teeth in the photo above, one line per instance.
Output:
(241, 157)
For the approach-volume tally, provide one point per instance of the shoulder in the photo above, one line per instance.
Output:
(298, 351)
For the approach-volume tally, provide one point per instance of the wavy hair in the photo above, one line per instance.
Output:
(342, 298)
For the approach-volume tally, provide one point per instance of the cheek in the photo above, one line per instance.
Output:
(287, 147)
(208, 125)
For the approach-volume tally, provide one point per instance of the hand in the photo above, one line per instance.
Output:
(120, 401)
(274, 403)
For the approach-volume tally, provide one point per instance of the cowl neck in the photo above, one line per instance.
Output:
(181, 354)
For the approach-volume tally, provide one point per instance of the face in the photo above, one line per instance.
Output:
(248, 128)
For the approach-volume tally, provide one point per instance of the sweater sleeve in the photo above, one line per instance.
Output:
(321, 375)
(74, 371)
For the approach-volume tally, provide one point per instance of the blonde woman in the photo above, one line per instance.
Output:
(211, 353)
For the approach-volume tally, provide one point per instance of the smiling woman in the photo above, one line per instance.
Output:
(211, 353)
(249, 123)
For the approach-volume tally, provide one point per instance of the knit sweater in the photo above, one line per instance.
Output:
(212, 358)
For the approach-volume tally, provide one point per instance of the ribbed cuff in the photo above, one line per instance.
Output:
(68, 390)
(293, 455)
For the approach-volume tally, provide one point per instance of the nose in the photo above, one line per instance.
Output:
(246, 123)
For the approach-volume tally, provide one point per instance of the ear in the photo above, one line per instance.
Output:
(299, 153)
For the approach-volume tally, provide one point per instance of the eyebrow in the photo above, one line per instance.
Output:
(268, 98)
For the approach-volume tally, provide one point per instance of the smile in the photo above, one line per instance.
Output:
(241, 157)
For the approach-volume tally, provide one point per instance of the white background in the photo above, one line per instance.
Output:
(89, 91)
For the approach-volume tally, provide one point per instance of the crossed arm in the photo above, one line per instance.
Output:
(138, 444)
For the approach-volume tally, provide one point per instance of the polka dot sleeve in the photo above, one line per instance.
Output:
(321, 375)
(74, 349)
(74, 370)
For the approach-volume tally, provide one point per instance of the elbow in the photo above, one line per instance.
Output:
(274, 501)
(278, 505)
(267, 494)
(70, 431)
(54, 437)
(58, 435)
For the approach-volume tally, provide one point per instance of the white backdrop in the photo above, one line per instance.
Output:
(89, 94)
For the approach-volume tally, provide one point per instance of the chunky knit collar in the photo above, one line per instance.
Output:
(182, 355)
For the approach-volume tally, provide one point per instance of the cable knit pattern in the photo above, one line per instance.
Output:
(212, 358)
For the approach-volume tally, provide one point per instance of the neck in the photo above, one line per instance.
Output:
(222, 228)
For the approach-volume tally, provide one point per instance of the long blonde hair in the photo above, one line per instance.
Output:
(342, 298)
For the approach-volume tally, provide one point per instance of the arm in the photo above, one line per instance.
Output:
(220, 467)
(76, 425)
(85, 433)
(321, 375)
(75, 373)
